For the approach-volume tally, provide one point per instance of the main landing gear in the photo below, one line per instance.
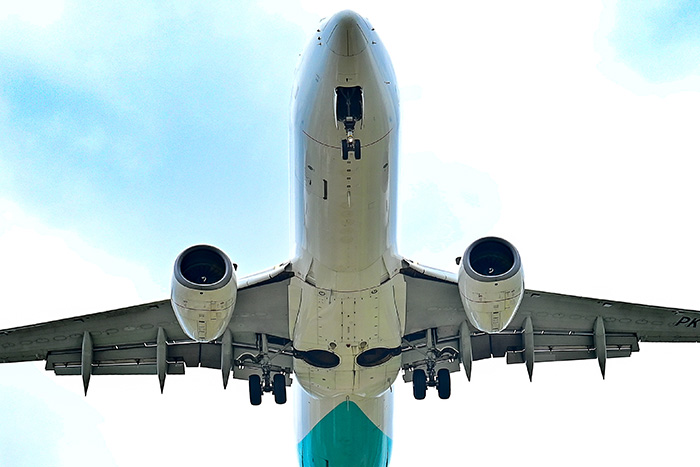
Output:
(277, 387)
(439, 380)
(271, 378)
(427, 373)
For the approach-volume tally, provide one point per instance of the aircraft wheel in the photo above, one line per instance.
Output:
(345, 149)
(443, 383)
(279, 389)
(420, 384)
(255, 389)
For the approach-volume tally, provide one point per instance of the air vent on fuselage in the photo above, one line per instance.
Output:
(318, 358)
(377, 356)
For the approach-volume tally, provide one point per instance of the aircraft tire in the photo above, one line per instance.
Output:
(444, 385)
(420, 384)
(279, 389)
(255, 389)
(358, 151)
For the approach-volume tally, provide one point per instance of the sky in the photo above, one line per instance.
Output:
(132, 130)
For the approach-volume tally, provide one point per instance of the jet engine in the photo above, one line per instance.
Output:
(204, 292)
(491, 284)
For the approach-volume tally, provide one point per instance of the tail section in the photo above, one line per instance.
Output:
(349, 432)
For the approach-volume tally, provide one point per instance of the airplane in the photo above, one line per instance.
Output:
(347, 314)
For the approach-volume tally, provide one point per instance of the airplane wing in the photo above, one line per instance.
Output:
(147, 339)
(547, 327)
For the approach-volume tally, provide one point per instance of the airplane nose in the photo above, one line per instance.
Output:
(347, 37)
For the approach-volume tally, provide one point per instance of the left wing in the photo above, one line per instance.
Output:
(147, 339)
(547, 327)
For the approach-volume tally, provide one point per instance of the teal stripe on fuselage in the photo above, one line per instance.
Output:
(345, 438)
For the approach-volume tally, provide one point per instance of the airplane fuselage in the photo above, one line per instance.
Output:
(347, 303)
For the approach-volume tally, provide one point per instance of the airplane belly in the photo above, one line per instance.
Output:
(348, 226)
(346, 209)
(345, 411)
(353, 328)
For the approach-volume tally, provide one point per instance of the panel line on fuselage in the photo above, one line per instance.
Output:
(364, 145)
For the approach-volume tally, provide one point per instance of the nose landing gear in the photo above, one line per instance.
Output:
(351, 146)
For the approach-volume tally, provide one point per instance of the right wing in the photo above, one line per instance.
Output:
(147, 339)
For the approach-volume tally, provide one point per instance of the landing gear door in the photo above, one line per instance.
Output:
(349, 109)
(349, 105)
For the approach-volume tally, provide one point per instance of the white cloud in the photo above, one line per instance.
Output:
(39, 13)
(50, 274)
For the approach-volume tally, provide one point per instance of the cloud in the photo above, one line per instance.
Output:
(443, 207)
(37, 13)
(115, 105)
(36, 406)
(51, 274)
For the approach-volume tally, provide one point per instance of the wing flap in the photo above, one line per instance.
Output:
(141, 360)
(142, 369)
(553, 347)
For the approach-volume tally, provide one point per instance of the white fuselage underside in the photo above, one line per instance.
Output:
(346, 297)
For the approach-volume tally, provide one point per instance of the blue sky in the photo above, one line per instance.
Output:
(658, 39)
(131, 130)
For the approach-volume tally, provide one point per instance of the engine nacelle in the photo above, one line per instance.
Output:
(491, 283)
(204, 290)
